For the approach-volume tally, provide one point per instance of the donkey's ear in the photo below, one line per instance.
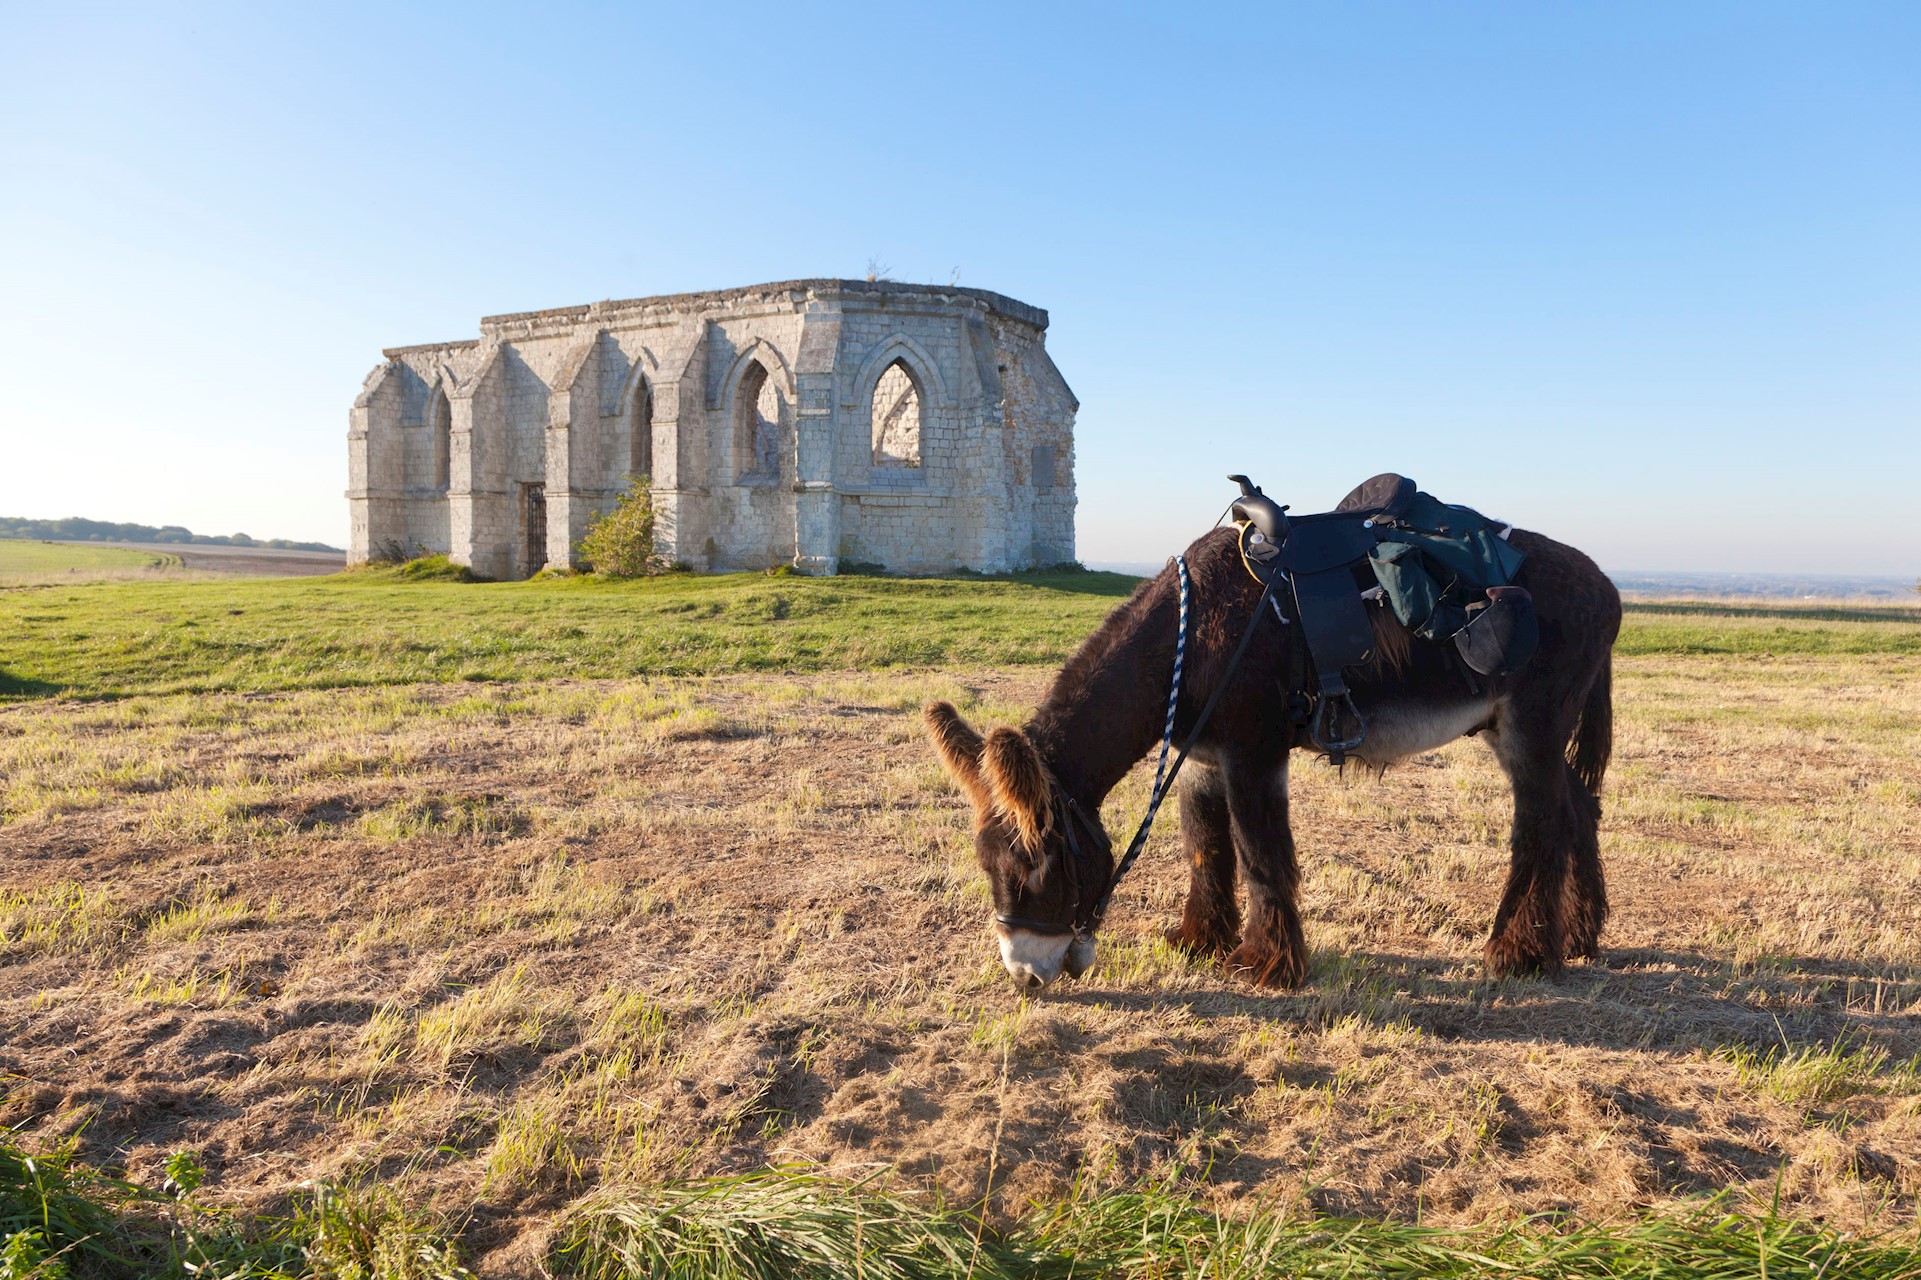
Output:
(1019, 784)
(960, 750)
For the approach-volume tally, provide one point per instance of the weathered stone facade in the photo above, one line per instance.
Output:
(921, 428)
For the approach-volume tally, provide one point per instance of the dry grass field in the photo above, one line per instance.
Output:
(497, 945)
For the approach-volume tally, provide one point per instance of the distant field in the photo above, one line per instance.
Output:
(25, 563)
(1769, 627)
(374, 628)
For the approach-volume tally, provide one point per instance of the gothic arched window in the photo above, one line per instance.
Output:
(441, 414)
(757, 427)
(896, 422)
(640, 439)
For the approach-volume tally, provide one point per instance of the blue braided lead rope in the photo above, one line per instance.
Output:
(1164, 776)
(1173, 693)
(1161, 781)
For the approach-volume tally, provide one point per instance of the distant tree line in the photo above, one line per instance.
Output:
(75, 529)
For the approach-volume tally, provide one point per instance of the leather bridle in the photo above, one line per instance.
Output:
(1074, 823)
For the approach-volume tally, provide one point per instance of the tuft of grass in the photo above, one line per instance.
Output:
(364, 1232)
(62, 1221)
(1157, 1232)
(55, 1214)
(1814, 1076)
(789, 1222)
(781, 1222)
(65, 918)
(59, 1219)
(501, 1013)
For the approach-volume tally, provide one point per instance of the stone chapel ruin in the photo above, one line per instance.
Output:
(815, 423)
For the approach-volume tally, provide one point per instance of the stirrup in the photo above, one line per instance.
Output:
(1326, 708)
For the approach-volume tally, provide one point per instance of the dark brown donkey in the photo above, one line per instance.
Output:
(1037, 790)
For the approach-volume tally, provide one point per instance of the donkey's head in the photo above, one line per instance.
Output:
(1046, 859)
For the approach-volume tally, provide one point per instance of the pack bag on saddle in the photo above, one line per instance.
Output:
(1446, 571)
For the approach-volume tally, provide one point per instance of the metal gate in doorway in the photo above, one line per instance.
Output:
(533, 518)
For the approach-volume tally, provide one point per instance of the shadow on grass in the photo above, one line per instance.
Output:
(13, 686)
(1082, 582)
(1636, 998)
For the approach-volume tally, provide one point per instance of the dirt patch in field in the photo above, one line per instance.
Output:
(241, 562)
(505, 942)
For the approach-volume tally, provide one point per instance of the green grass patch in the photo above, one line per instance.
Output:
(24, 560)
(1816, 1076)
(792, 1223)
(418, 623)
(57, 1216)
(58, 1219)
(1763, 628)
(381, 627)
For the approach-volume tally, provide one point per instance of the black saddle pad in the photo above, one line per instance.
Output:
(1317, 543)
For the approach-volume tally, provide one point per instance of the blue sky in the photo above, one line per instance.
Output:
(1646, 277)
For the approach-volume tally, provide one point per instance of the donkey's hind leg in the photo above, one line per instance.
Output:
(1530, 928)
(1211, 920)
(1587, 895)
(1273, 952)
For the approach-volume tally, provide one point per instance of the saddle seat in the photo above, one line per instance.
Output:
(1387, 493)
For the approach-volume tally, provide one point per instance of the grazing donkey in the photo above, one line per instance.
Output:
(1037, 790)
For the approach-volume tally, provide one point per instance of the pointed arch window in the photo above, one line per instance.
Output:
(441, 415)
(897, 418)
(757, 427)
(640, 439)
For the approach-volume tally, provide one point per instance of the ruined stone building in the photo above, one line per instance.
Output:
(816, 423)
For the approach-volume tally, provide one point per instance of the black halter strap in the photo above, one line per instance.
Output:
(1074, 823)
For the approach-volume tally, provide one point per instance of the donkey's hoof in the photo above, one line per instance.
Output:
(1509, 957)
(1199, 942)
(1267, 967)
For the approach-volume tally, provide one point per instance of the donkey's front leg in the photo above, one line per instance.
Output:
(1272, 952)
(1211, 919)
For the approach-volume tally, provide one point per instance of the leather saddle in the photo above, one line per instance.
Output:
(1328, 564)
(1320, 560)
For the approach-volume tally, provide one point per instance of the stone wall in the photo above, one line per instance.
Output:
(753, 411)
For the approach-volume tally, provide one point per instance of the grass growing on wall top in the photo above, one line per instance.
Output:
(368, 628)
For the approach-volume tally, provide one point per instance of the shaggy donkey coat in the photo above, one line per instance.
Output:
(1549, 725)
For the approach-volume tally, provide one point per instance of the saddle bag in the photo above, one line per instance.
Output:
(1501, 632)
(1436, 560)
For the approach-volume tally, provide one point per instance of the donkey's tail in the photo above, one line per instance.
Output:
(1593, 739)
